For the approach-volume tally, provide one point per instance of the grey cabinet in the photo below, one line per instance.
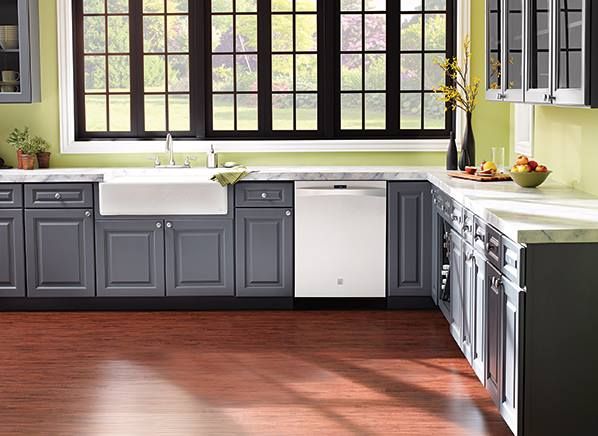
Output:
(511, 319)
(456, 285)
(264, 252)
(493, 332)
(200, 257)
(59, 252)
(478, 316)
(20, 55)
(130, 258)
(469, 277)
(12, 254)
(409, 239)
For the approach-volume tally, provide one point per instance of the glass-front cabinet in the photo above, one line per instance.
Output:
(19, 51)
(505, 26)
(542, 51)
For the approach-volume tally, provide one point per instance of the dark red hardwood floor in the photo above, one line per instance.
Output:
(238, 373)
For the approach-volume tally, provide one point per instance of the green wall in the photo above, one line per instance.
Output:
(491, 121)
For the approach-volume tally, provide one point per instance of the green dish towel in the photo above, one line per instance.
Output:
(230, 177)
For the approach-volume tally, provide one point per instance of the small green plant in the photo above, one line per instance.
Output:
(39, 144)
(19, 139)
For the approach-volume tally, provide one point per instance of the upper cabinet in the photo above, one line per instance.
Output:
(505, 34)
(19, 51)
(540, 51)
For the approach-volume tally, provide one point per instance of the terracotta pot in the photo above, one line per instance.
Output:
(28, 161)
(19, 159)
(43, 159)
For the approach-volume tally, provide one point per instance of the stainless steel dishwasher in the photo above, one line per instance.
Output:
(340, 239)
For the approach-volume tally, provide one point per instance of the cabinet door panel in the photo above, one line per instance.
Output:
(264, 251)
(539, 52)
(409, 239)
(130, 257)
(510, 359)
(456, 278)
(199, 257)
(513, 57)
(468, 290)
(479, 317)
(494, 48)
(59, 248)
(493, 333)
(12, 254)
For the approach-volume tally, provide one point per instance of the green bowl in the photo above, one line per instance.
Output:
(529, 180)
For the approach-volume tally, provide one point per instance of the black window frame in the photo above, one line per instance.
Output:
(329, 112)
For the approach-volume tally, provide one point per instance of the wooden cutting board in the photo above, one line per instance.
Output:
(474, 177)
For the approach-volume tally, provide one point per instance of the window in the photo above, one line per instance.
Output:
(261, 69)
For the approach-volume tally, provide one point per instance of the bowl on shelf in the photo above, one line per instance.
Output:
(530, 179)
(9, 37)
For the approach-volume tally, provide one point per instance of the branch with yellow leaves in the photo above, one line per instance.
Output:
(458, 91)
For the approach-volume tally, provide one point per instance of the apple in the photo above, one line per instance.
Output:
(541, 169)
(522, 160)
(533, 165)
(522, 169)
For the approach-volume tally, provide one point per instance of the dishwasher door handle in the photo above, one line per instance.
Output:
(352, 192)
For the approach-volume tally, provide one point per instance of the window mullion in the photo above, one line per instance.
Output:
(264, 34)
(327, 68)
(136, 67)
(393, 68)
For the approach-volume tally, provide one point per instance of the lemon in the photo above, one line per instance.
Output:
(490, 166)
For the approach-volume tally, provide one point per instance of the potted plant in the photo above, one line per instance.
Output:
(460, 91)
(41, 150)
(17, 139)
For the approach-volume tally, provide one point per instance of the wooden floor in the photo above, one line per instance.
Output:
(237, 373)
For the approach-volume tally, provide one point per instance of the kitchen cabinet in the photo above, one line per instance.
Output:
(409, 239)
(505, 26)
(456, 285)
(19, 51)
(478, 319)
(469, 277)
(130, 258)
(59, 252)
(493, 332)
(199, 257)
(264, 252)
(12, 253)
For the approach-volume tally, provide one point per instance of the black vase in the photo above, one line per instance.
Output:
(451, 154)
(468, 146)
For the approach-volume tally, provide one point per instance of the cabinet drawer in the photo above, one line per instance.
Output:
(252, 194)
(64, 195)
(11, 196)
(479, 234)
(512, 261)
(493, 247)
(468, 226)
(455, 215)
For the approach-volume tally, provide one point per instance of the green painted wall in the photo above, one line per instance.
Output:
(491, 121)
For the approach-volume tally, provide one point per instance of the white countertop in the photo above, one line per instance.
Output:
(552, 213)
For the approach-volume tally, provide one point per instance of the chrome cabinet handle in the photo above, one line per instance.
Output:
(490, 247)
(57, 196)
(87, 213)
(478, 237)
(264, 195)
(169, 225)
(158, 225)
(288, 213)
(466, 228)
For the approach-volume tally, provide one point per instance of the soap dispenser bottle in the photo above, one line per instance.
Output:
(212, 158)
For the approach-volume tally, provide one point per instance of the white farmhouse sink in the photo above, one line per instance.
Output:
(184, 192)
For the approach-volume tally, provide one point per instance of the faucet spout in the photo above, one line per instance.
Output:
(170, 150)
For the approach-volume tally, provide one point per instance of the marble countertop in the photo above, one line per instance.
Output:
(552, 213)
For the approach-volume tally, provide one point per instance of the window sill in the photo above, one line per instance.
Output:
(182, 146)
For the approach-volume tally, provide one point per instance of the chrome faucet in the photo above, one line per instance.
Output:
(170, 150)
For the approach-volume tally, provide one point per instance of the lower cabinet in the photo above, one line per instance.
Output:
(130, 258)
(493, 332)
(467, 299)
(264, 248)
(456, 285)
(200, 257)
(12, 254)
(478, 318)
(409, 239)
(59, 252)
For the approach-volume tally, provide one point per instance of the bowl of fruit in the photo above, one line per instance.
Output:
(527, 173)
